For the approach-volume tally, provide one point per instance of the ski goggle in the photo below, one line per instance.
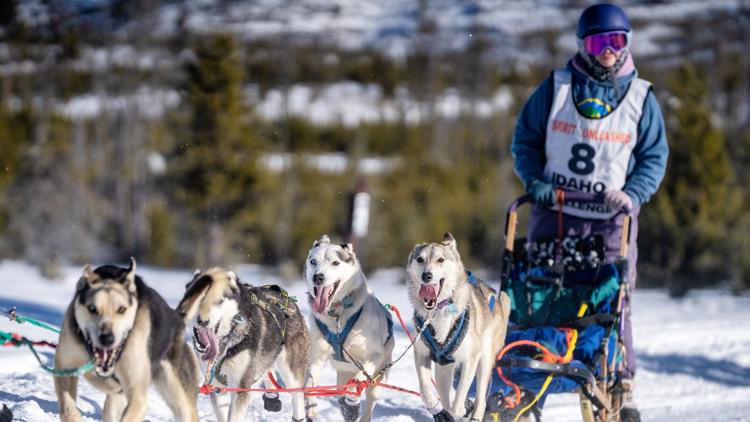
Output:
(615, 41)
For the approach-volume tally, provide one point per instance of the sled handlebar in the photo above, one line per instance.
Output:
(594, 198)
(511, 220)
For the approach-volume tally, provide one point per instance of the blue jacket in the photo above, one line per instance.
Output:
(648, 162)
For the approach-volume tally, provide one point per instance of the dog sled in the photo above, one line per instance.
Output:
(566, 323)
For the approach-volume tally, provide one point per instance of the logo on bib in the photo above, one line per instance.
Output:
(594, 108)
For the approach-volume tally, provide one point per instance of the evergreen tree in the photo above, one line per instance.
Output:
(14, 133)
(214, 169)
(685, 230)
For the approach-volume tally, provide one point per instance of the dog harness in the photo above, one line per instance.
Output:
(284, 306)
(336, 340)
(442, 353)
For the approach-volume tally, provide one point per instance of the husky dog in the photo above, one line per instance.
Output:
(243, 332)
(350, 326)
(464, 327)
(134, 337)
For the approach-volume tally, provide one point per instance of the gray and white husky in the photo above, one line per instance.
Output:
(464, 328)
(349, 326)
(243, 332)
(134, 338)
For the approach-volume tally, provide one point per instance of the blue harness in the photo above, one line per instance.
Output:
(442, 354)
(336, 340)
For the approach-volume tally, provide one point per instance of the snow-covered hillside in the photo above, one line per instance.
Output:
(694, 354)
(388, 25)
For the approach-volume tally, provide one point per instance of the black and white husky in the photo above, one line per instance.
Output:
(464, 328)
(349, 326)
(243, 332)
(134, 338)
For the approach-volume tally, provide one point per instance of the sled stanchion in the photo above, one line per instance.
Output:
(510, 231)
(511, 223)
(625, 238)
(587, 410)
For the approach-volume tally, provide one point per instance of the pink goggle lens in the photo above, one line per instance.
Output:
(597, 43)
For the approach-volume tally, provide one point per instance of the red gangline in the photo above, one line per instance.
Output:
(353, 387)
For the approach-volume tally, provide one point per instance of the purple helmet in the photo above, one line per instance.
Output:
(602, 18)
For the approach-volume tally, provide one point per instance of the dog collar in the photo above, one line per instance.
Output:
(444, 303)
(449, 301)
(347, 302)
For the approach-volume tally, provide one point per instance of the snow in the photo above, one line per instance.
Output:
(352, 104)
(393, 26)
(694, 353)
(147, 101)
(333, 162)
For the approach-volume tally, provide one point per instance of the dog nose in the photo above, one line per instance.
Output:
(106, 339)
(319, 278)
(201, 322)
(426, 277)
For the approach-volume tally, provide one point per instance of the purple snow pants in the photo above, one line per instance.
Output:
(543, 223)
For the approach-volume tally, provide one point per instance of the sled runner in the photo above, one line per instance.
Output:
(565, 323)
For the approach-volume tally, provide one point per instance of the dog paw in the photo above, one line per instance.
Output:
(311, 407)
(469, 406)
(271, 403)
(443, 416)
(350, 411)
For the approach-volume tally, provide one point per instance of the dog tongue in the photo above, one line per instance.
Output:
(208, 338)
(321, 300)
(427, 291)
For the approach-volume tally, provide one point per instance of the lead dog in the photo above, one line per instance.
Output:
(134, 338)
(464, 328)
(244, 332)
(348, 324)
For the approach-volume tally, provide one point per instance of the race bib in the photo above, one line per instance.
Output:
(591, 154)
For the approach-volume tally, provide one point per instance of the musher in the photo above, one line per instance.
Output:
(594, 126)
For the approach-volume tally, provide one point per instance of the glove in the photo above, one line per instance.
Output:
(543, 193)
(618, 200)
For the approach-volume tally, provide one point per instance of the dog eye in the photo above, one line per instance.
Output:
(420, 259)
(313, 262)
(92, 309)
(335, 263)
(441, 260)
(121, 310)
(220, 301)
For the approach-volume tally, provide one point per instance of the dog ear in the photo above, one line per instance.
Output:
(196, 273)
(349, 249)
(234, 282)
(449, 240)
(233, 279)
(323, 240)
(129, 281)
(189, 303)
(88, 278)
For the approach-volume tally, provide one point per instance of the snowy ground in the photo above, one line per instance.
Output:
(694, 354)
